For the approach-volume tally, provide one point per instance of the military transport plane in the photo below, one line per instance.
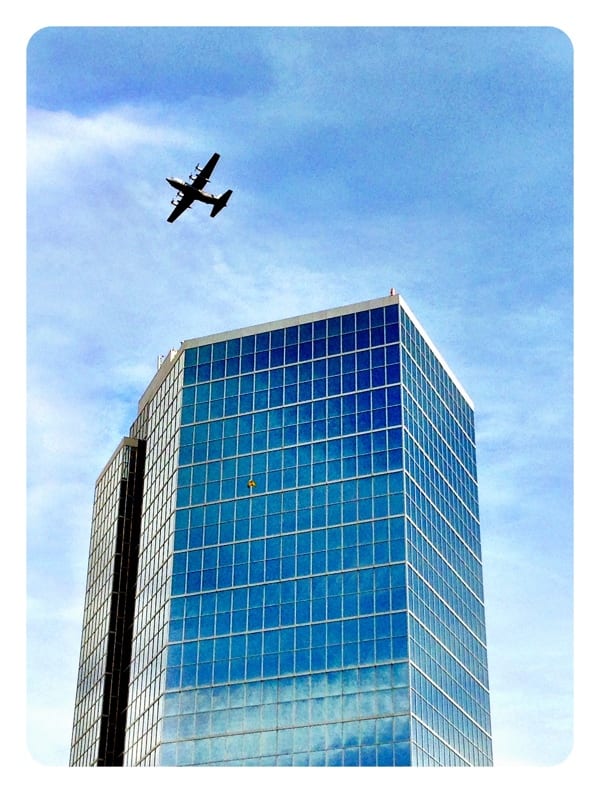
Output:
(188, 192)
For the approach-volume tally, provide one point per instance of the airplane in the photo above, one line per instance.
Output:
(188, 192)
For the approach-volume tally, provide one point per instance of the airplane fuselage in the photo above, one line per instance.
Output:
(188, 190)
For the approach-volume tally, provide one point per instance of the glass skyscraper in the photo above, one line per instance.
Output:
(285, 563)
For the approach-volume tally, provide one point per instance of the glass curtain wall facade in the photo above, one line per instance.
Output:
(103, 680)
(324, 600)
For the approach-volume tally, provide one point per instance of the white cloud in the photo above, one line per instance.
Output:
(59, 141)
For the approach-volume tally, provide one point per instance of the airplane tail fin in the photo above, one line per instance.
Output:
(221, 202)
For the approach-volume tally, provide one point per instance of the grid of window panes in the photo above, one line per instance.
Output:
(449, 685)
(288, 623)
(158, 424)
(94, 641)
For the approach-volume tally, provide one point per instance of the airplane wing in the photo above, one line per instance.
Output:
(183, 204)
(203, 176)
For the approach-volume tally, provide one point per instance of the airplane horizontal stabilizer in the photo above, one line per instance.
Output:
(221, 203)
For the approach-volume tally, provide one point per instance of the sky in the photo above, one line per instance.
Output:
(436, 161)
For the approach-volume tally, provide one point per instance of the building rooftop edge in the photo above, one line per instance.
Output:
(127, 440)
(313, 316)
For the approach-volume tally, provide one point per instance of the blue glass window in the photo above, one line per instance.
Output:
(306, 568)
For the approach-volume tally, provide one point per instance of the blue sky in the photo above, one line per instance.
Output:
(437, 161)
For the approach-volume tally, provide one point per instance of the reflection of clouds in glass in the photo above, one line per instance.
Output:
(348, 717)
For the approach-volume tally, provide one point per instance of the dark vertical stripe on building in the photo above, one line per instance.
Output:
(116, 684)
